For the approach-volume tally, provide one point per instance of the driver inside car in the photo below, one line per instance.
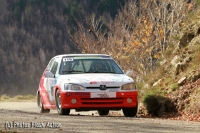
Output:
(99, 66)
(66, 68)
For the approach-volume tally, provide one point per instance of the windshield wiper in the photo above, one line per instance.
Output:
(101, 72)
(108, 72)
(72, 71)
(97, 72)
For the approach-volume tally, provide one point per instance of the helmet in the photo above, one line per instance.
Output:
(66, 66)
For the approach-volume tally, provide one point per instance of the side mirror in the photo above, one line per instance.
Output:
(49, 74)
(129, 73)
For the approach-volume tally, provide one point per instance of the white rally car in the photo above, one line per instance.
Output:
(86, 82)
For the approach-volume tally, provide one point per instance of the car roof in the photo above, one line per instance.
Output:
(82, 55)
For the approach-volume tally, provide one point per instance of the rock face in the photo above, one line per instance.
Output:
(181, 81)
(180, 66)
(175, 60)
(180, 63)
(191, 32)
(158, 82)
(163, 62)
(185, 39)
(195, 75)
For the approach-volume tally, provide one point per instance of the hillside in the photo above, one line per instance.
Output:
(33, 31)
(173, 89)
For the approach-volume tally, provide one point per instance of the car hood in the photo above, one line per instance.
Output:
(95, 79)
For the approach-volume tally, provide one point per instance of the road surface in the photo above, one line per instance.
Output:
(24, 117)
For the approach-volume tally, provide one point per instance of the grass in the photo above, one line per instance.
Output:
(150, 91)
(18, 98)
(151, 78)
(174, 87)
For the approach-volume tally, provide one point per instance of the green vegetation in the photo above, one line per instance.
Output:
(72, 9)
(107, 5)
(174, 87)
(17, 12)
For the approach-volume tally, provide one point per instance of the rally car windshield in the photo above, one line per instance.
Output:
(77, 65)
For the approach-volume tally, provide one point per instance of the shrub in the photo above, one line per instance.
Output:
(158, 105)
(4, 97)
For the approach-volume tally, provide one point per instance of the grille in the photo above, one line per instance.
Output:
(102, 100)
(107, 87)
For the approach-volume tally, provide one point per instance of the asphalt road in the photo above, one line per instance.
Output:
(24, 117)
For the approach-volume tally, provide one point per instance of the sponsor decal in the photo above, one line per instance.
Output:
(107, 82)
(80, 93)
(93, 82)
(103, 94)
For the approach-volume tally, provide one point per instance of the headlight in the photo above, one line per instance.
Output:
(73, 87)
(130, 86)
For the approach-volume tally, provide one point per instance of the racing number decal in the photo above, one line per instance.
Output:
(67, 59)
(49, 85)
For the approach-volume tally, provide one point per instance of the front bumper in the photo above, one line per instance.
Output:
(87, 100)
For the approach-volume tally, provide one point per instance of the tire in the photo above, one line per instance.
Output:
(103, 112)
(40, 105)
(130, 112)
(60, 110)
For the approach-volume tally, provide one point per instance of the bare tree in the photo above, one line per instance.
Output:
(139, 34)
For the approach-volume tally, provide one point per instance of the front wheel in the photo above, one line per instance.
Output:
(103, 112)
(60, 110)
(130, 112)
(40, 105)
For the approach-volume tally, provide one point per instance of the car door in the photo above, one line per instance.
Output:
(51, 81)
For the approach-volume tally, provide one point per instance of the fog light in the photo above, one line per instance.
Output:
(129, 100)
(73, 101)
